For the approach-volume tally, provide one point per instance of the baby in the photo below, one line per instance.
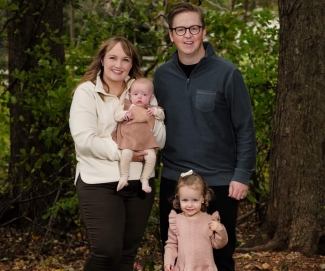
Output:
(137, 136)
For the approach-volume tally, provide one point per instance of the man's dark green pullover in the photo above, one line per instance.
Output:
(209, 121)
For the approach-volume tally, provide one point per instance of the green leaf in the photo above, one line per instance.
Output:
(12, 7)
(13, 99)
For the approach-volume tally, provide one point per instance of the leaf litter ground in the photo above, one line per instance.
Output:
(69, 253)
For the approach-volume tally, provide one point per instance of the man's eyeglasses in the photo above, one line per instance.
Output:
(181, 30)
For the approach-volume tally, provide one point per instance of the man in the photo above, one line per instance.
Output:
(209, 122)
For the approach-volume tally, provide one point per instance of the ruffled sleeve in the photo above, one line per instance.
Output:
(218, 238)
(216, 216)
(172, 221)
(171, 247)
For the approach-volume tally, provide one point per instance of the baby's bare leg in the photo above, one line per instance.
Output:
(149, 166)
(126, 158)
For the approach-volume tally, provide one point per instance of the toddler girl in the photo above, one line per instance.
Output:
(193, 233)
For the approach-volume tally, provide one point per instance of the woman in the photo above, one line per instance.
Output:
(115, 220)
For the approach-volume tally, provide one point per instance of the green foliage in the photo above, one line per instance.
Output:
(46, 98)
(136, 21)
(66, 211)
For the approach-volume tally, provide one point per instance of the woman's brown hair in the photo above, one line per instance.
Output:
(96, 65)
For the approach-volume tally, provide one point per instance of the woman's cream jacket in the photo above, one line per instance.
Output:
(91, 124)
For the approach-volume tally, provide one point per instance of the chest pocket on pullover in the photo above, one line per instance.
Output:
(205, 100)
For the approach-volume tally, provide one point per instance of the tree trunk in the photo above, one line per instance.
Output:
(245, 6)
(25, 31)
(72, 27)
(296, 216)
(232, 5)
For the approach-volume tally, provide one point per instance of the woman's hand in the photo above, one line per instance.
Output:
(139, 114)
(138, 156)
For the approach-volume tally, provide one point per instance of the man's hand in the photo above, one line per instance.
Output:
(237, 190)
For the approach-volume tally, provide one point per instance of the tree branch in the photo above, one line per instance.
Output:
(51, 218)
(272, 245)
(14, 219)
(218, 6)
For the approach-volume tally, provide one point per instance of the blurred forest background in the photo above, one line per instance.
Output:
(45, 47)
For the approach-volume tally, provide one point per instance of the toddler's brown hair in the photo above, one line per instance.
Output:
(193, 179)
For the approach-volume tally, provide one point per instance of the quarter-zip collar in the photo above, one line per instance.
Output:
(208, 52)
(100, 88)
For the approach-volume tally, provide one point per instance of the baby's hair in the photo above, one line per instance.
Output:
(143, 80)
(192, 179)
